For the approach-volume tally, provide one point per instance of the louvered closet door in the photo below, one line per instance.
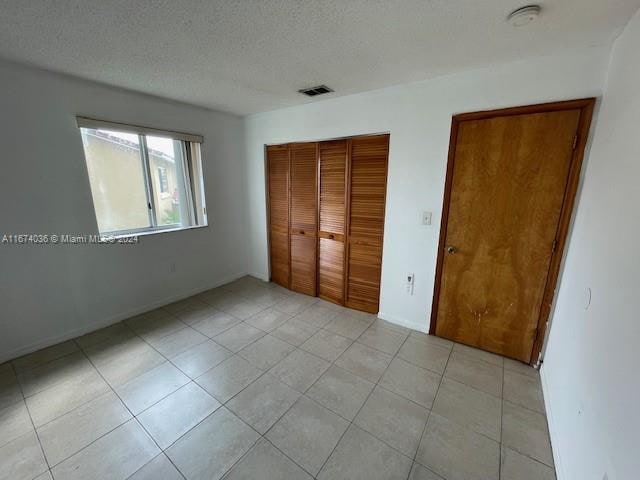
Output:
(304, 217)
(278, 166)
(366, 221)
(333, 165)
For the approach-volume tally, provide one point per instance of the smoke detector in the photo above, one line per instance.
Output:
(524, 15)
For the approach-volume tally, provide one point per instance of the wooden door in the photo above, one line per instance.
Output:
(278, 190)
(332, 168)
(367, 192)
(303, 207)
(507, 184)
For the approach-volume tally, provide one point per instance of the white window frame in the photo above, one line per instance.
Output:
(195, 207)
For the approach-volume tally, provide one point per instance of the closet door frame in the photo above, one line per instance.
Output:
(347, 199)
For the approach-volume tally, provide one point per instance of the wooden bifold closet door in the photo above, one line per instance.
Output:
(303, 208)
(278, 190)
(367, 194)
(333, 204)
(326, 218)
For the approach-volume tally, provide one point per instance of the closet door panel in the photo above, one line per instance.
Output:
(366, 221)
(333, 166)
(278, 190)
(303, 207)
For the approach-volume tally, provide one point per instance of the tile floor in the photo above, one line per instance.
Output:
(252, 381)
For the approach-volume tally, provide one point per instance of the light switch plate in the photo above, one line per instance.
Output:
(426, 218)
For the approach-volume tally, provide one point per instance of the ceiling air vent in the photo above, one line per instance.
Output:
(313, 91)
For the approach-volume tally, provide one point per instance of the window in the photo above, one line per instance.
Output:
(143, 180)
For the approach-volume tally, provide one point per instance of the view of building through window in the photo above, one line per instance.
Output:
(138, 182)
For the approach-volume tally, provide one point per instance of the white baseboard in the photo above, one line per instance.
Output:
(70, 334)
(420, 327)
(557, 457)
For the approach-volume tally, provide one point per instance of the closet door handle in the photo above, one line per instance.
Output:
(331, 236)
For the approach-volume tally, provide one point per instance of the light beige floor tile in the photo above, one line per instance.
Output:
(141, 392)
(176, 343)
(10, 392)
(383, 339)
(317, 315)
(294, 304)
(265, 352)
(520, 467)
(364, 361)
(241, 308)
(209, 450)
(410, 381)
(228, 378)
(238, 337)
(307, 434)
(477, 354)
(176, 414)
(268, 320)
(360, 456)
(14, 422)
(120, 363)
(471, 408)
(294, 332)
(64, 397)
(418, 472)
(116, 331)
(57, 371)
(22, 459)
(379, 323)
(393, 419)
(431, 339)
(155, 328)
(216, 324)
(44, 356)
(477, 374)
(44, 476)
(115, 456)
(300, 370)
(266, 462)
(526, 431)
(455, 452)
(114, 348)
(197, 360)
(347, 326)
(341, 392)
(182, 305)
(523, 390)
(73, 431)
(160, 468)
(196, 314)
(326, 344)
(425, 355)
(263, 402)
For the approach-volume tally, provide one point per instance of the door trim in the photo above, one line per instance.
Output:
(586, 107)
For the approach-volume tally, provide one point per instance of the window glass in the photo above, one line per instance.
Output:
(166, 156)
(116, 174)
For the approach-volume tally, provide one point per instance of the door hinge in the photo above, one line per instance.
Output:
(575, 142)
(554, 245)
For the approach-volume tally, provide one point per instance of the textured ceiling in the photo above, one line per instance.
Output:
(247, 56)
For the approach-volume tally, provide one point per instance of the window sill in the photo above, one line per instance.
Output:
(144, 233)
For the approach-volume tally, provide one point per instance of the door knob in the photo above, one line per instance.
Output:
(451, 249)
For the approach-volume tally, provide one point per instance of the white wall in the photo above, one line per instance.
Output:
(51, 293)
(418, 116)
(590, 375)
